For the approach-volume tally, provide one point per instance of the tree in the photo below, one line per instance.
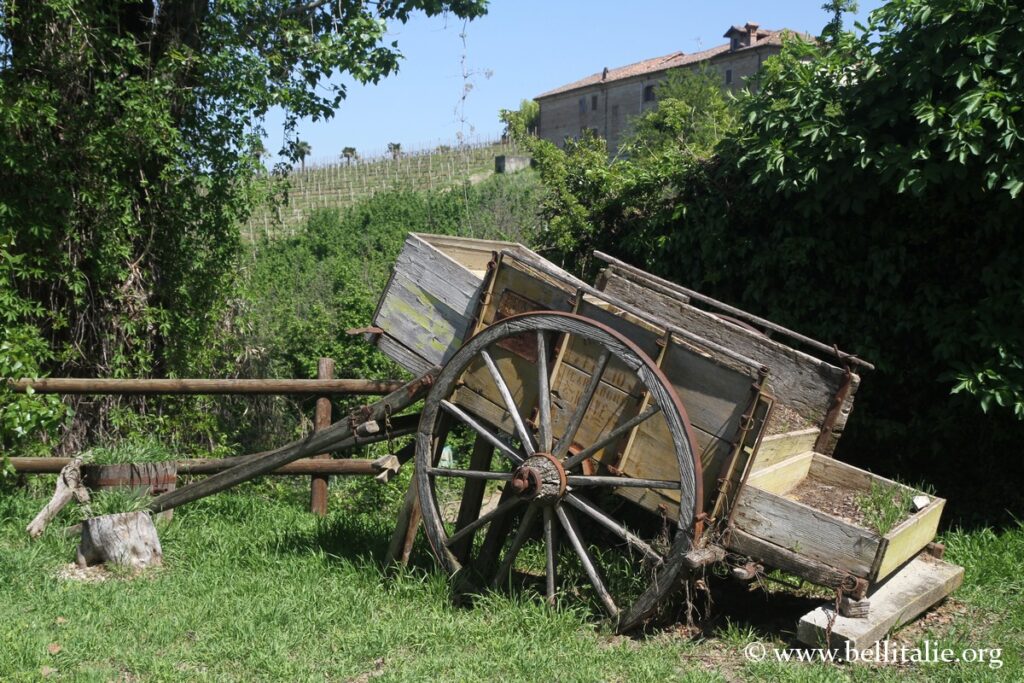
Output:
(528, 113)
(127, 132)
(302, 150)
(837, 8)
(693, 114)
(395, 150)
(349, 154)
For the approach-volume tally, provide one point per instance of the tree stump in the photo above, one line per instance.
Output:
(127, 538)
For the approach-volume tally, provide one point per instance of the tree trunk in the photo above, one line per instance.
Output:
(126, 538)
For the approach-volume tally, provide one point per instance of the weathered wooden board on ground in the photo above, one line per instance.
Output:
(919, 585)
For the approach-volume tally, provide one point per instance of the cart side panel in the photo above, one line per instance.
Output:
(716, 392)
(805, 387)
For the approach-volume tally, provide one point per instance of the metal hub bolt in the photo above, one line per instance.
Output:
(540, 478)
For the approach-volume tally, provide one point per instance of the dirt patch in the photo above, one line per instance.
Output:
(784, 419)
(831, 499)
(94, 574)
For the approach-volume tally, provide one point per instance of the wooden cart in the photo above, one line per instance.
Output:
(628, 434)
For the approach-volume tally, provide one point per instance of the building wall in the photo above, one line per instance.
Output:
(568, 114)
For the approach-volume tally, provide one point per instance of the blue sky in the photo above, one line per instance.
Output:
(520, 49)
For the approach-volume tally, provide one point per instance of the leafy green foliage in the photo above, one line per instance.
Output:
(302, 293)
(129, 146)
(24, 418)
(692, 116)
(137, 449)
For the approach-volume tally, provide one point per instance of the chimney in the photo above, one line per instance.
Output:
(751, 33)
(604, 74)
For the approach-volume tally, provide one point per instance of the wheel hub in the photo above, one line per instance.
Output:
(540, 478)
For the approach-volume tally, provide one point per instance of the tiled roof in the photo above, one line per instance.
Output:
(657, 64)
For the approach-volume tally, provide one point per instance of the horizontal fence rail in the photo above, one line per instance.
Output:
(313, 387)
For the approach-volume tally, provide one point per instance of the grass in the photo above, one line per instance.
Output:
(136, 450)
(256, 589)
(115, 500)
(885, 505)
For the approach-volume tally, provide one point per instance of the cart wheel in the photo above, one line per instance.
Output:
(553, 523)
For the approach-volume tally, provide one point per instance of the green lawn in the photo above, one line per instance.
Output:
(254, 588)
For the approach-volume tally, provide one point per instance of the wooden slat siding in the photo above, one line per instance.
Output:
(427, 307)
(421, 321)
(405, 357)
(781, 477)
(610, 407)
(490, 412)
(651, 457)
(778, 447)
(907, 539)
(798, 380)
(806, 531)
(474, 254)
(520, 375)
(779, 557)
(518, 278)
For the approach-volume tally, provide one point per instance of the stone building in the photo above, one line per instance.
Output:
(605, 101)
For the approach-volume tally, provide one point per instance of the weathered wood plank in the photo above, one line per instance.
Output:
(918, 586)
(545, 293)
(427, 307)
(778, 447)
(782, 476)
(609, 408)
(401, 354)
(782, 558)
(806, 531)
(907, 539)
(420, 320)
(798, 380)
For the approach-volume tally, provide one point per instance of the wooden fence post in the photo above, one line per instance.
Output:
(318, 482)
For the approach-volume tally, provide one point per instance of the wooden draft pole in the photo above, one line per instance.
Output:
(317, 442)
(322, 420)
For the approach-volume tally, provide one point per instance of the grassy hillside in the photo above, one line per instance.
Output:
(342, 184)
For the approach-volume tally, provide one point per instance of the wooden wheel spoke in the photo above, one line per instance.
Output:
(550, 555)
(500, 510)
(611, 437)
(510, 403)
(595, 513)
(522, 533)
(623, 482)
(581, 408)
(491, 437)
(543, 394)
(469, 474)
(576, 540)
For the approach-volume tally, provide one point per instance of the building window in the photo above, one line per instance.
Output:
(649, 93)
(583, 105)
(735, 44)
(728, 76)
(593, 103)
